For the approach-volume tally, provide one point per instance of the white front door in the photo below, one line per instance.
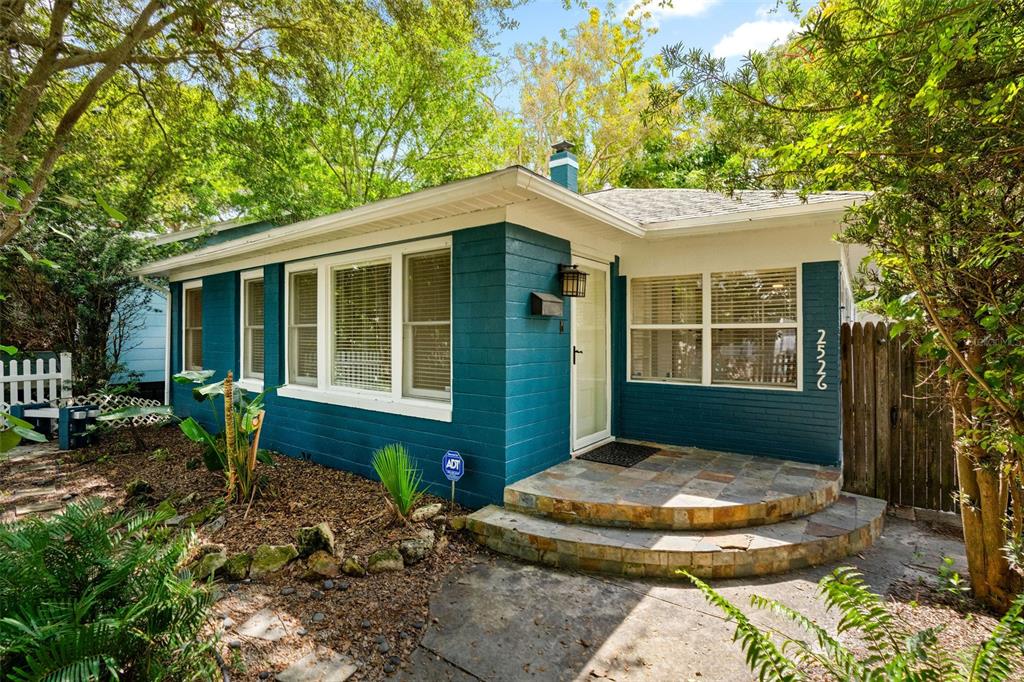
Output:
(591, 359)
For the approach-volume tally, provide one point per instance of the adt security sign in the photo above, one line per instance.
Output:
(453, 466)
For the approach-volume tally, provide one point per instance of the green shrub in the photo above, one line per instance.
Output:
(894, 652)
(90, 595)
(402, 481)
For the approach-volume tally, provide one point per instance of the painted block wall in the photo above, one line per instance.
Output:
(537, 356)
(510, 372)
(803, 426)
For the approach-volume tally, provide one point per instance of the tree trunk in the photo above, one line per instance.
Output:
(984, 496)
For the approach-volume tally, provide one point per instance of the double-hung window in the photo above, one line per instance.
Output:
(192, 326)
(302, 328)
(754, 327)
(730, 328)
(373, 329)
(252, 325)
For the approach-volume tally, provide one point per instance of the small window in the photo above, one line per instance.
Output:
(754, 327)
(193, 328)
(252, 327)
(666, 332)
(302, 333)
(361, 334)
(428, 325)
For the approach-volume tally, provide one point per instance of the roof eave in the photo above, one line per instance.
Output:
(509, 178)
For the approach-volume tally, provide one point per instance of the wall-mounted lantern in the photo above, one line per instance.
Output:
(574, 281)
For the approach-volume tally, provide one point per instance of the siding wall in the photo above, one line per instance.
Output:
(510, 372)
(144, 348)
(802, 425)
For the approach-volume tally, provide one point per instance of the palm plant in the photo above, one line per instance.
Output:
(399, 477)
(241, 443)
(894, 652)
(89, 595)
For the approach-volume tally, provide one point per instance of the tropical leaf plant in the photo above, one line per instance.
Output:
(14, 429)
(400, 478)
(893, 651)
(91, 595)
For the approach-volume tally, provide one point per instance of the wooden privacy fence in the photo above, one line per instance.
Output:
(35, 381)
(897, 425)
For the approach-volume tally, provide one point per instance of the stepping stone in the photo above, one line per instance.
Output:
(332, 668)
(265, 625)
(36, 507)
(28, 493)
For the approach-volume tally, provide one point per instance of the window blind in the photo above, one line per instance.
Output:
(361, 348)
(427, 338)
(666, 328)
(754, 327)
(754, 297)
(302, 342)
(253, 336)
(193, 325)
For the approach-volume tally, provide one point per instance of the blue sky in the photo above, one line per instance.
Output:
(728, 28)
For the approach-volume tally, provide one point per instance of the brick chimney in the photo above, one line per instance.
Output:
(564, 168)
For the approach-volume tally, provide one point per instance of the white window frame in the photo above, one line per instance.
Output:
(393, 401)
(185, 288)
(252, 382)
(701, 327)
(706, 327)
(407, 348)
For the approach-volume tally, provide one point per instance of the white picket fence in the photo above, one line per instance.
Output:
(35, 381)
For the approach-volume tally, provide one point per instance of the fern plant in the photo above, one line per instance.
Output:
(89, 595)
(399, 477)
(893, 651)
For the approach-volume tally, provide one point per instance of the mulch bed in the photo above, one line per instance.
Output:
(376, 620)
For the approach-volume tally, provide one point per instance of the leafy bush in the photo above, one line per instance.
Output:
(893, 651)
(402, 481)
(89, 595)
(13, 430)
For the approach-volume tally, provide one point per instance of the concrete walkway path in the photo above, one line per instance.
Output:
(503, 621)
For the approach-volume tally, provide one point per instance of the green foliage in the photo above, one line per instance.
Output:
(893, 651)
(13, 430)
(950, 579)
(90, 595)
(399, 477)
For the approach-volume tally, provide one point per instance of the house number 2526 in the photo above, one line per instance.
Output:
(821, 360)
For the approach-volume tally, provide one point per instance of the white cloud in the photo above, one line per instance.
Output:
(753, 35)
(662, 9)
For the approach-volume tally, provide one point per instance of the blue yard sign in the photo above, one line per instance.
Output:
(453, 466)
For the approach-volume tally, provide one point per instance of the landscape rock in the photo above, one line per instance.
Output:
(265, 625)
(175, 520)
(352, 566)
(384, 560)
(203, 515)
(137, 487)
(331, 667)
(321, 564)
(417, 549)
(441, 545)
(216, 525)
(315, 538)
(271, 558)
(188, 499)
(237, 566)
(426, 512)
(458, 522)
(211, 559)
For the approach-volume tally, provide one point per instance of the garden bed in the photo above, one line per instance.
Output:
(374, 620)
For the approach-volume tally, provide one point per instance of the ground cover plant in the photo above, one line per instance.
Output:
(91, 595)
(892, 651)
(399, 476)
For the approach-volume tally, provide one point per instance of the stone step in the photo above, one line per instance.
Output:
(682, 489)
(847, 527)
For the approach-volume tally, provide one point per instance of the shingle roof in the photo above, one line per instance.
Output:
(661, 205)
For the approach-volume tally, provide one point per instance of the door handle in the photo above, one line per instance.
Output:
(575, 352)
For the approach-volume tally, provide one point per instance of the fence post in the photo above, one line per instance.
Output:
(66, 377)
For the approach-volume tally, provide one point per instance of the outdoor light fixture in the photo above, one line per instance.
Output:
(574, 280)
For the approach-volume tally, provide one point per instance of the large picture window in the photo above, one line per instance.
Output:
(733, 328)
(252, 326)
(192, 324)
(373, 329)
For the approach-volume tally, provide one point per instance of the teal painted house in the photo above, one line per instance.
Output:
(441, 320)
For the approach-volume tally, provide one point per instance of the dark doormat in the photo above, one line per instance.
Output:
(619, 454)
